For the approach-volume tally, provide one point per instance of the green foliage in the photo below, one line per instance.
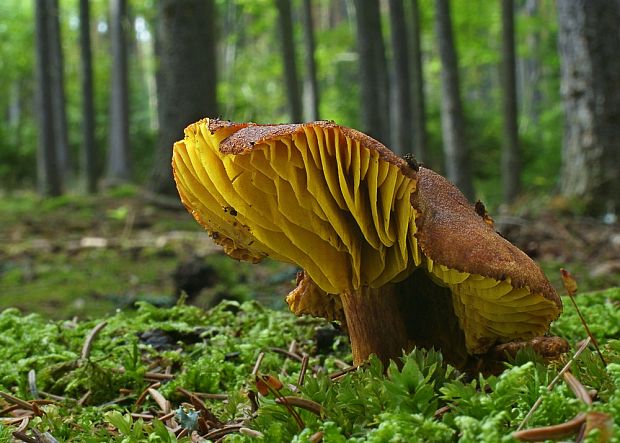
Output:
(600, 309)
(215, 351)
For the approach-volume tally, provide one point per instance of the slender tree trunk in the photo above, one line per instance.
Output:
(401, 142)
(452, 124)
(118, 165)
(186, 80)
(590, 77)
(374, 92)
(529, 88)
(511, 158)
(14, 116)
(417, 86)
(285, 24)
(88, 108)
(49, 181)
(311, 87)
(58, 92)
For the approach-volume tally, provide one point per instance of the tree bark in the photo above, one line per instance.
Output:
(590, 79)
(374, 92)
(511, 159)
(452, 124)
(118, 164)
(89, 153)
(401, 142)
(186, 80)
(417, 87)
(289, 62)
(49, 181)
(58, 92)
(530, 69)
(311, 87)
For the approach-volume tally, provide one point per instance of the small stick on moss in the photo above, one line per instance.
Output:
(317, 437)
(292, 348)
(302, 370)
(200, 406)
(570, 285)
(142, 416)
(302, 403)
(23, 425)
(251, 433)
(219, 433)
(144, 393)
(161, 401)
(212, 396)
(55, 397)
(259, 360)
(342, 364)
(552, 432)
(23, 437)
(538, 401)
(7, 410)
(16, 401)
(88, 343)
(167, 416)
(149, 376)
(183, 432)
(338, 374)
(84, 398)
(578, 389)
(286, 353)
(441, 411)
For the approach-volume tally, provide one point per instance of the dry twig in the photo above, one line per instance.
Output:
(537, 403)
(302, 403)
(88, 343)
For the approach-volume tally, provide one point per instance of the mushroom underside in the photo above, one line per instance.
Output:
(432, 314)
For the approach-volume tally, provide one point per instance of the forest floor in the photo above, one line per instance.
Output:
(86, 256)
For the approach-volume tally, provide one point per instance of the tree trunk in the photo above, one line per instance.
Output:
(88, 108)
(118, 165)
(511, 164)
(590, 79)
(530, 70)
(58, 92)
(311, 87)
(374, 92)
(49, 181)
(186, 80)
(417, 86)
(401, 142)
(452, 125)
(285, 24)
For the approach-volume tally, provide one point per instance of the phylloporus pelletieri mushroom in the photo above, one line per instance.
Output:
(392, 250)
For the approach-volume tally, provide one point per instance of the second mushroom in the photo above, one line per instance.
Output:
(393, 251)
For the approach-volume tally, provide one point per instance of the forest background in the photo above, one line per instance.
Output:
(517, 102)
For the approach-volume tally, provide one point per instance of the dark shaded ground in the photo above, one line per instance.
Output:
(90, 255)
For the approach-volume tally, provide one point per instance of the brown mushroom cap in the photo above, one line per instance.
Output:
(499, 293)
(354, 215)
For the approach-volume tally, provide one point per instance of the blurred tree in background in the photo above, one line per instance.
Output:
(589, 42)
(357, 50)
(186, 77)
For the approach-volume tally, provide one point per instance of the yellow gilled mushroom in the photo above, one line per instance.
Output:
(394, 251)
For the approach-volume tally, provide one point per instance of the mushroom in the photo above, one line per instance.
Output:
(392, 250)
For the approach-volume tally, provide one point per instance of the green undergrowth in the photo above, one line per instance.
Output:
(93, 393)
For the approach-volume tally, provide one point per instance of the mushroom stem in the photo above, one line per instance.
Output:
(375, 323)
